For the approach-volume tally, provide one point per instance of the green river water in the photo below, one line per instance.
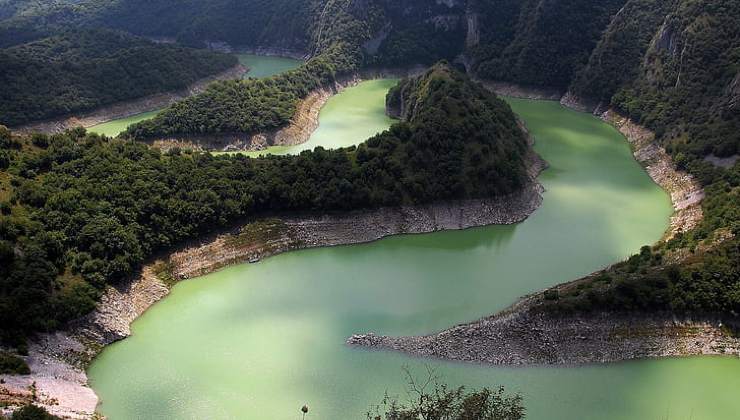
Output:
(257, 341)
(259, 66)
(345, 120)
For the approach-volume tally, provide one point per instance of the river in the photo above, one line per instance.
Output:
(259, 66)
(260, 340)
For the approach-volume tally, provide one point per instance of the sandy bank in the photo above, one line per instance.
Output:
(128, 108)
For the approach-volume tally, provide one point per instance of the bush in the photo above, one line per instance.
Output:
(13, 365)
(33, 412)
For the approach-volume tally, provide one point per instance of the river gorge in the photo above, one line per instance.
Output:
(260, 340)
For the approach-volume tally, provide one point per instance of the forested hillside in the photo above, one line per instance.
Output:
(275, 23)
(528, 42)
(521, 42)
(79, 212)
(671, 65)
(548, 43)
(251, 106)
(81, 70)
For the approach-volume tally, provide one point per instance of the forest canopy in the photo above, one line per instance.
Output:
(84, 69)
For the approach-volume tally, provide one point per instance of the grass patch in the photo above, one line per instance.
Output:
(259, 232)
(164, 270)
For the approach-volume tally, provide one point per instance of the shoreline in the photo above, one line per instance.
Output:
(521, 335)
(298, 130)
(129, 108)
(59, 360)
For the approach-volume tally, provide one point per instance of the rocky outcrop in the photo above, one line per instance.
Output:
(521, 336)
(128, 108)
(581, 104)
(666, 39)
(472, 37)
(733, 93)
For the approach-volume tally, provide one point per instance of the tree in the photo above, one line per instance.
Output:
(428, 399)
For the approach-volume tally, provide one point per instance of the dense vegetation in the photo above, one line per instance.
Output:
(32, 412)
(415, 33)
(548, 43)
(617, 57)
(82, 70)
(251, 106)
(276, 23)
(12, 364)
(247, 106)
(681, 80)
(83, 211)
(687, 88)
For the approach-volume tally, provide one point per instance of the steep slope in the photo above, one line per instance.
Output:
(549, 42)
(81, 70)
(686, 84)
(616, 59)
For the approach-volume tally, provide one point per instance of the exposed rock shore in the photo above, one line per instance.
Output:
(303, 123)
(523, 92)
(128, 108)
(685, 191)
(58, 361)
(523, 335)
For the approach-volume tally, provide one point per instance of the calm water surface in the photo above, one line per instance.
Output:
(264, 66)
(258, 341)
(259, 66)
(347, 119)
